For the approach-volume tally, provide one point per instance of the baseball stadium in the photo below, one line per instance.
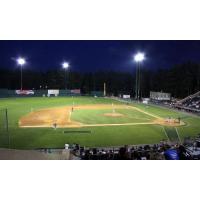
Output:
(52, 122)
(63, 122)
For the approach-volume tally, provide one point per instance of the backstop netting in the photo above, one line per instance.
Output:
(4, 134)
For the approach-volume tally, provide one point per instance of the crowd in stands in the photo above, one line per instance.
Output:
(189, 150)
(190, 103)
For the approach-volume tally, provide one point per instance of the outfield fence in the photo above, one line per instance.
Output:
(6, 93)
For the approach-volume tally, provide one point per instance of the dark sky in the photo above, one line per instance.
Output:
(98, 55)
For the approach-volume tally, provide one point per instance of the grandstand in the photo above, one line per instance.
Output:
(188, 150)
(190, 103)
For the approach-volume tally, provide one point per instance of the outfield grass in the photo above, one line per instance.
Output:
(28, 138)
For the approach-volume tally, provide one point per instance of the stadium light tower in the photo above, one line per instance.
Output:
(21, 62)
(138, 58)
(65, 66)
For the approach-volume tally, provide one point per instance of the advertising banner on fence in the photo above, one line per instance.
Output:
(126, 96)
(24, 92)
(53, 92)
(76, 91)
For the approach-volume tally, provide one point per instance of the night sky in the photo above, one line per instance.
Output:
(97, 55)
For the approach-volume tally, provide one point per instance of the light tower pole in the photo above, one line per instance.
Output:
(21, 62)
(139, 57)
(65, 66)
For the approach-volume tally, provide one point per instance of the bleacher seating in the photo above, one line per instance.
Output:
(160, 151)
(191, 103)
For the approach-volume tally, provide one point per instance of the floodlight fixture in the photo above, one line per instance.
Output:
(139, 57)
(21, 61)
(65, 65)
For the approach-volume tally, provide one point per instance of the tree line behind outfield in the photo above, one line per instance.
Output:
(180, 80)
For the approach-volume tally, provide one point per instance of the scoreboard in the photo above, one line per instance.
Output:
(161, 96)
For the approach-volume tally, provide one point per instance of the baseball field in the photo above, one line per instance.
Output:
(42, 122)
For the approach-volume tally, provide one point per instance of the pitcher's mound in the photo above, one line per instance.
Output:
(113, 115)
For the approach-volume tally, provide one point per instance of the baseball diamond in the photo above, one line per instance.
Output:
(109, 121)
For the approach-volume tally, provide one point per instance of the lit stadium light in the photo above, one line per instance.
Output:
(65, 65)
(139, 57)
(21, 61)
